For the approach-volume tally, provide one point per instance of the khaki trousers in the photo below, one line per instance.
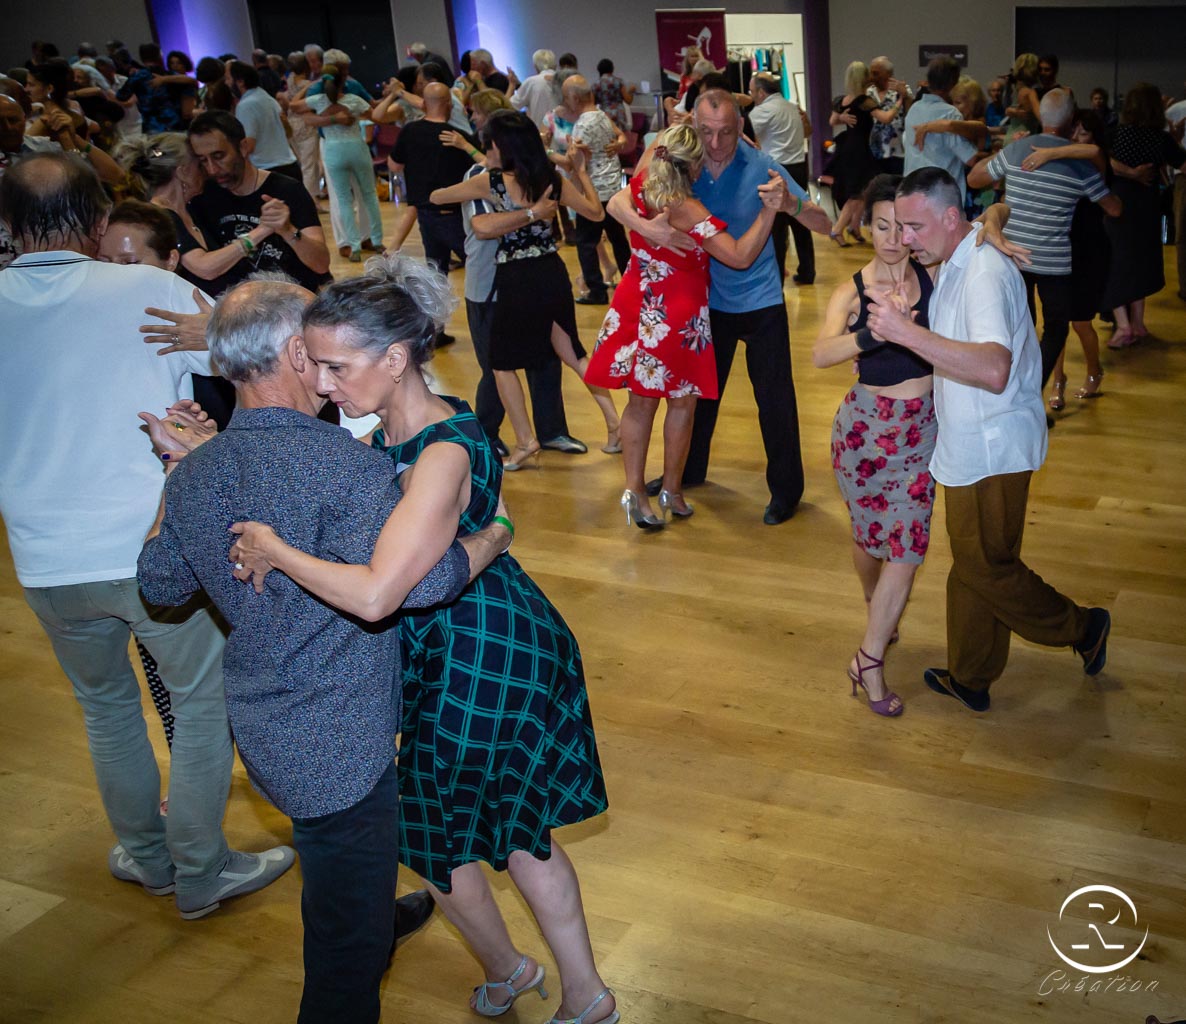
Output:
(991, 593)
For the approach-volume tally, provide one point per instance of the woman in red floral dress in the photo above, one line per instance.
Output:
(655, 340)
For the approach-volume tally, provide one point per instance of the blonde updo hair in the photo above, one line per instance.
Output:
(856, 78)
(678, 152)
(151, 161)
(1025, 68)
(969, 89)
(487, 101)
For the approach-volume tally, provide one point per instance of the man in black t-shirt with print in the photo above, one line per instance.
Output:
(429, 163)
(250, 218)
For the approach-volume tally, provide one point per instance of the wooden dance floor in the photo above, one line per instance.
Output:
(773, 852)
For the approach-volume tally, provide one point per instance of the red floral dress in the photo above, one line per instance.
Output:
(655, 339)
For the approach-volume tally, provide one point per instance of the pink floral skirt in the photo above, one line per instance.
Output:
(881, 454)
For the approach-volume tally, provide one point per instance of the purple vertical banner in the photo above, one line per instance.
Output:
(168, 19)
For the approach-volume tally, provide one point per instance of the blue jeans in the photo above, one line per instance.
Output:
(89, 625)
(349, 861)
(348, 169)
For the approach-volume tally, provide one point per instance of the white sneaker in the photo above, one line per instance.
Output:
(244, 873)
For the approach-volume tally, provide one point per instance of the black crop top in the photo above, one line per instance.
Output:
(890, 364)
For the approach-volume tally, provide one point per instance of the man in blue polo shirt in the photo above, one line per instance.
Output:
(744, 305)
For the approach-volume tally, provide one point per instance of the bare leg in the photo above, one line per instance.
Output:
(677, 436)
(868, 570)
(510, 390)
(1136, 314)
(471, 909)
(553, 893)
(856, 210)
(1091, 354)
(885, 609)
(638, 419)
(609, 269)
(405, 217)
(562, 346)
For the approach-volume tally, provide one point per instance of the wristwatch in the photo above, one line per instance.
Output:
(530, 214)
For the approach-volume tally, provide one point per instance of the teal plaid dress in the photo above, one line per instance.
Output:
(498, 746)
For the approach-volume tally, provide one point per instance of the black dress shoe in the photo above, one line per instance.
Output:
(500, 449)
(776, 514)
(566, 444)
(1094, 649)
(942, 681)
(801, 279)
(444, 339)
(593, 300)
(412, 912)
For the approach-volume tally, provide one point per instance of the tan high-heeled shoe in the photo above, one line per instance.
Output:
(1091, 388)
(525, 456)
(1058, 396)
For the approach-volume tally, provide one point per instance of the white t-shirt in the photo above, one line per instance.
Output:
(79, 482)
(537, 95)
(778, 126)
(980, 297)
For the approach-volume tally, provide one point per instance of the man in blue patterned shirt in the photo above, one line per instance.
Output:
(313, 696)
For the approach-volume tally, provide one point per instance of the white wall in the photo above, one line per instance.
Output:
(863, 29)
(420, 21)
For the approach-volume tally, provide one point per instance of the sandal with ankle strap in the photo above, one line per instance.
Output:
(613, 1018)
(878, 707)
(486, 1008)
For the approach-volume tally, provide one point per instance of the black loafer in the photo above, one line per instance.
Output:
(653, 487)
(1094, 651)
(776, 514)
(799, 279)
(412, 912)
(941, 681)
(592, 300)
(566, 444)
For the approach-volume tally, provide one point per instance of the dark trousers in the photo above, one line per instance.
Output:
(768, 362)
(804, 245)
(588, 235)
(349, 861)
(1055, 292)
(890, 165)
(547, 402)
(442, 232)
(292, 170)
(991, 592)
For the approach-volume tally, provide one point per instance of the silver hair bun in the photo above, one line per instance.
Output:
(427, 287)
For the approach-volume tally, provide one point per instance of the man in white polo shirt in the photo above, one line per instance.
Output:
(79, 489)
(261, 118)
(992, 437)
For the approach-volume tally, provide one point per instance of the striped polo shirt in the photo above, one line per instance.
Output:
(1042, 202)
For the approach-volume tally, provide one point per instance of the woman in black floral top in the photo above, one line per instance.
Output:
(534, 316)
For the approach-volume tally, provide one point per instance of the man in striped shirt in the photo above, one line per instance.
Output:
(1041, 204)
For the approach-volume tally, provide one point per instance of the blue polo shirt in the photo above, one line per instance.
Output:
(733, 197)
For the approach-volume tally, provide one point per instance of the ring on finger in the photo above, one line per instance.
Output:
(238, 565)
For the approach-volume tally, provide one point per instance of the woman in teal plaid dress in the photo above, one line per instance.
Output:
(498, 744)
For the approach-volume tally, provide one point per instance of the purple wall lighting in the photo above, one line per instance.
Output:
(201, 28)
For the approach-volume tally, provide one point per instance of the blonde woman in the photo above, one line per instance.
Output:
(655, 340)
(1022, 111)
(852, 166)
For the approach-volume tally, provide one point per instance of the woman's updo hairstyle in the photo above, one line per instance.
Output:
(881, 189)
(397, 298)
(678, 151)
(151, 161)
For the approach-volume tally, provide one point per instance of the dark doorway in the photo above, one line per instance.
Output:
(1113, 47)
(362, 28)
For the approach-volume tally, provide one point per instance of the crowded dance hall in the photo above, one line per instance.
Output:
(403, 620)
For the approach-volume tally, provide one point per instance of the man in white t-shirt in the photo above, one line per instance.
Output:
(604, 140)
(992, 437)
(79, 489)
(538, 94)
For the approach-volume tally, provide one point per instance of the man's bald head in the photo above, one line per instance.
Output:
(12, 125)
(438, 99)
(576, 91)
(252, 325)
(52, 201)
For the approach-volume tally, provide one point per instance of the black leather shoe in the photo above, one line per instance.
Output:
(1094, 650)
(776, 514)
(592, 300)
(942, 681)
(801, 279)
(566, 444)
(412, 912)
(501, 450)
(444, 339)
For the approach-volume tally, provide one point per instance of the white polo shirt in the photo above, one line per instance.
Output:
(980, 297)
(79, 483)
(778, 126)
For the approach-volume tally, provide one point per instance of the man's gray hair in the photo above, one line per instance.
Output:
(251, 325)
(1056, 109)
(313, 48)
(339, 58)
(481, 56)
(717, 98)
(936, 185)
(542, 59)
(882, 62)
(767, 83)
(418, 49)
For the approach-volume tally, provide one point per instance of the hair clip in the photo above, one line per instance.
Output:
(156, 153)
(661, 153)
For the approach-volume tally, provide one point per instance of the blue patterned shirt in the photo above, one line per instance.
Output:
(312, 695)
